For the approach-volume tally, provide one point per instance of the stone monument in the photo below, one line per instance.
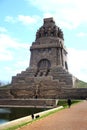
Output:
(47, 73)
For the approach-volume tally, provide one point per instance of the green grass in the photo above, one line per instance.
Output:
(62, 102)
(81, 84)
(17, 126)
(5, 86)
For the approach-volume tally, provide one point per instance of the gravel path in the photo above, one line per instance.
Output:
(74, 118)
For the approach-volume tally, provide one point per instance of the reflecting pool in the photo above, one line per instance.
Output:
(9, 114)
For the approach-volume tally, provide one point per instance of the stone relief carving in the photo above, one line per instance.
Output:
(52, 31)
(44, 63)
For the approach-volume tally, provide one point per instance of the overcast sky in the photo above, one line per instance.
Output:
(19, 21)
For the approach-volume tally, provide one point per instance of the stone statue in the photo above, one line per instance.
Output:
(55, 31)
(49, 29)
(60, 34)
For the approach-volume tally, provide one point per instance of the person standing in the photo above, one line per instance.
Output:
(69, 102)
(32, 115)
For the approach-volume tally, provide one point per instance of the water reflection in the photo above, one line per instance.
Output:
(5, 110)
(8, 114)
(2, 121)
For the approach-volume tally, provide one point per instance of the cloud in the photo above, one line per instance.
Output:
(23, 19)
(81, 34)
(78, 63)
(14, 56)
(10, 19)
(22, 63)
(7, 42)
(71, 13)
(5, 55)
(17, 67)
(3, 30)
(27, 19)
(8, 45)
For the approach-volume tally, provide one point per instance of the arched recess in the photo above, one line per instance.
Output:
(43, 67)
(44, 64)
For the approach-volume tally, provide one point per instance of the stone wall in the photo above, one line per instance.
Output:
(40, 87)
(48, 48)
(74, 93)
(28, 103)
(5, 93)
(60, 93)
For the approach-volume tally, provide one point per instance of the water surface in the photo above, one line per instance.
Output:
(9, 114)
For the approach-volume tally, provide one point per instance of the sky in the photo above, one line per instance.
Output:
(19, 21)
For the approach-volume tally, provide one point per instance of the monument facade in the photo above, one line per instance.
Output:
(48, 72)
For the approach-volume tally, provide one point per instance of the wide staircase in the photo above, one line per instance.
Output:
(64, 77)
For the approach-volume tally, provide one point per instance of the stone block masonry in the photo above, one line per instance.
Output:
(47, 76)
(48, 69)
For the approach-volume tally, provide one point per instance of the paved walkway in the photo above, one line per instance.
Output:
(74, 118)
